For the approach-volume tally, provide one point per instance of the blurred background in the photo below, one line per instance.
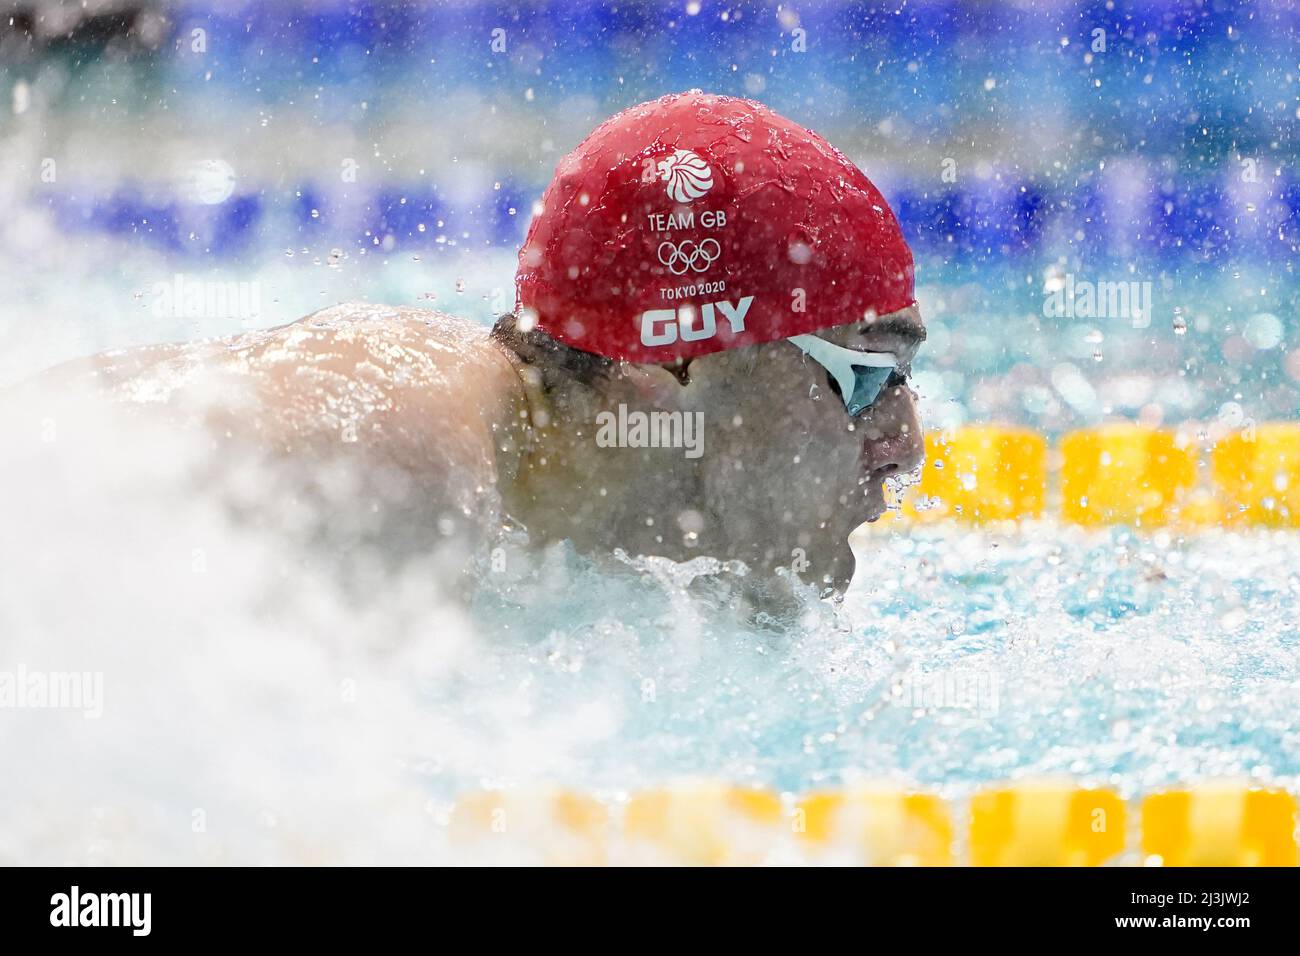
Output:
(391, 151)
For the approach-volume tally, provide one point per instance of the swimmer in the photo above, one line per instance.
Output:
(709, 354)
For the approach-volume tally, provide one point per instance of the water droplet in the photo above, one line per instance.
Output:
(800, 253)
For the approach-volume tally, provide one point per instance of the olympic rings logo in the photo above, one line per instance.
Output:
(689, 255)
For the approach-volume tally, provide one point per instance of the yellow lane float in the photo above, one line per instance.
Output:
(1042, 823)
(1123, 473)
(980, 473)
(702, 824)
(550, 826)
(1257, 471)
(1219, 824)
(874, 827)
(1045, 824)
(1117, 473)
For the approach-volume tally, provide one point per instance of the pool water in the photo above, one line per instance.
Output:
(264, 702)
(960, 657)
(254, 710)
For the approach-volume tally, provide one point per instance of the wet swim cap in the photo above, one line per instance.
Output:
(697, 223)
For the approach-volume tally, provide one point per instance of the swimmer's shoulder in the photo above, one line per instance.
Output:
(368, 318)
(353, 332)
(453, 360)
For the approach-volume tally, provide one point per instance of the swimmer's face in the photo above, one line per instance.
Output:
(786, 463)
(778, 473)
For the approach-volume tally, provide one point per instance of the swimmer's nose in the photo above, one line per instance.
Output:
(895, 444)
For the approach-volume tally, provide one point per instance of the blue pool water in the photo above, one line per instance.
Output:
(304, 716)
(311, 722)
(961, 657)
(308, 721)
(305, 724)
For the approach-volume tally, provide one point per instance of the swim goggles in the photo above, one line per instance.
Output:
(860, 376)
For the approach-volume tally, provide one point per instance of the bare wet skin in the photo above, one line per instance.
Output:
(406, 432)
(380, 420)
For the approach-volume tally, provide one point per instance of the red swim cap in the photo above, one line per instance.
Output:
(698, 223)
